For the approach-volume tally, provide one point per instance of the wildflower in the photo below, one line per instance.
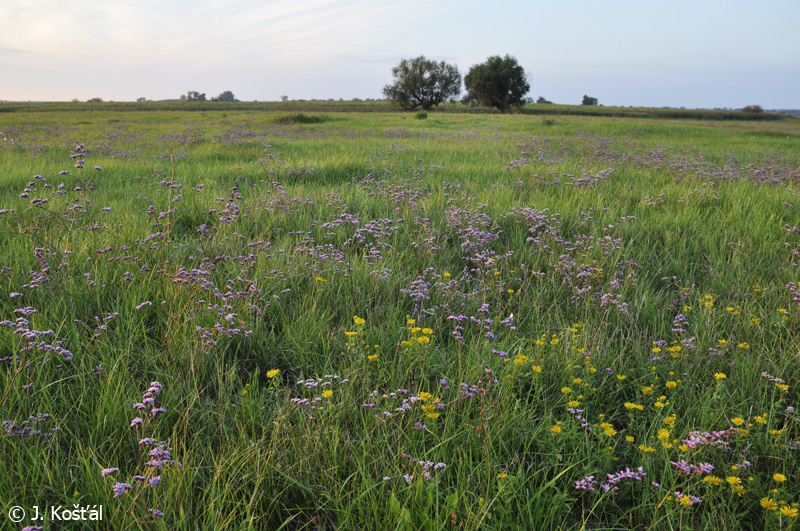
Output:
(712, 480)
(556, 429)
(327, 393)
(536, 368)
(782, 387)
(425, 396)
(350, 334)
(358, 320)
(720, 375)
(744, 345)
(780, 478)
(120, 488)
(446, 274)
(502, 476)
(107, 471)
(372, 357)
(737, 420)
(671, 384)
(629, 438)
(423, 339)
(647, 390)
(432, 415)
(791, 512)
(427, 331)
(733, 480)
(273, 373)
(566, 390)
(768, 504)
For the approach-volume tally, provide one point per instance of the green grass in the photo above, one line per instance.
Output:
(217, 247)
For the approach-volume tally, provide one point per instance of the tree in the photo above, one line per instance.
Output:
(753, 109)
(587, 100)
(543, 100)
(193, 95)
(499, 82)
(225, 96)
(422, 83)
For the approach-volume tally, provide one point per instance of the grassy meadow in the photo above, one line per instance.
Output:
(247, 320)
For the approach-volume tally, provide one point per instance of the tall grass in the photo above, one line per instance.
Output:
(373, 321)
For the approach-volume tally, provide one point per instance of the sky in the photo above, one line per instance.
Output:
(677, 53)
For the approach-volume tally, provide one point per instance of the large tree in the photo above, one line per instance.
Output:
(420, 82)
(499, 82)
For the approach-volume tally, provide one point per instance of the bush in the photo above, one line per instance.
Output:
(753, 109)
(421, 115)
(300, 118)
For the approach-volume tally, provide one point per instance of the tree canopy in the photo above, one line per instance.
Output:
(420, 82)
(499, 82)
(588, 100)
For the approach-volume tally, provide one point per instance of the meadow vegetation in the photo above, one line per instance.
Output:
(239, 319)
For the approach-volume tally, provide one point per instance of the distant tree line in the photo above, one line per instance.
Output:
(193, 95)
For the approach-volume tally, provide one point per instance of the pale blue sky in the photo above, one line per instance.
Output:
(700, 53)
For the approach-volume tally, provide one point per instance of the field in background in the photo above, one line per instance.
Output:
(246, 320)
(386, 106)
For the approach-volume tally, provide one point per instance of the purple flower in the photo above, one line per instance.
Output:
(155, 480)
(106, 471)
(98, 168)
(156, 512)
(136, 422)
(120, 488)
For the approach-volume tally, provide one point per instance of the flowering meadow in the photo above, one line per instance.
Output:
(241, 320)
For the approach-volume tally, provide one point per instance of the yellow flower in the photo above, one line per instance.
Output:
(737, 420)
(320, 279)
(780, 478)
(273, 373)
(432, 415)
(502, 476)
(671, 384)
(744, 345)
(768, 504)
(327, 393)
(733, 480)
(573, 403)
(791, 512)
(358, 320)
(446, 274)
(372, 357)
(631, 405)
(647, 390)
(425, 396)
(782, 387)
(427, 331)
(424, 339)
(410, 322)
(566, 390)
(556, 429)
(350, 334)
(621, 376)
(536, 368)
(646, 449)
(712, 480)
(761, 419)
(720, 375)
(687, 309)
